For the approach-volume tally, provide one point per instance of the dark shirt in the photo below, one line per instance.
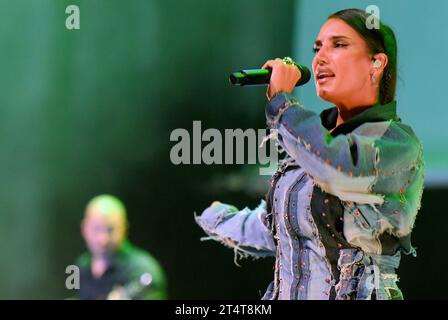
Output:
(131, 268)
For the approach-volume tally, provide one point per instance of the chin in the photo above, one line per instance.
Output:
(325, 95)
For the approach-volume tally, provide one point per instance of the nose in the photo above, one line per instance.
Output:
(321, 57)
(103, 240)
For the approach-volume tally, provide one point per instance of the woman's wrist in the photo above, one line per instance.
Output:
(270, 96)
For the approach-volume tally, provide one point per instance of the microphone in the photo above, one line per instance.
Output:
(254, 77)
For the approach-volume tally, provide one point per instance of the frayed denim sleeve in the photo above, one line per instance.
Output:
(242, 230)
(347, 165)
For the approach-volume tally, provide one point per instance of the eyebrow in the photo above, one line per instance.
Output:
(319, 42)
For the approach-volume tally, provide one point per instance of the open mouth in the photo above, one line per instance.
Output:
(324, 75)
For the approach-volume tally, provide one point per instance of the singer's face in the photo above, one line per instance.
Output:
(341, 64)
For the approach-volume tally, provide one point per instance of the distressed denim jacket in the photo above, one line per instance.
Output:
(341, 206)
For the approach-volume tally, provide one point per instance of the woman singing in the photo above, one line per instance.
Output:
(342, 205)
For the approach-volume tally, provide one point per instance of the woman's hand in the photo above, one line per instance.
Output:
(283, 77)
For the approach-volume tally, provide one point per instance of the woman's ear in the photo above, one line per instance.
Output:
(379, 63)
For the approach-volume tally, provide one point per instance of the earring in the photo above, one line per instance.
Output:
(377, 64)
(372, 77)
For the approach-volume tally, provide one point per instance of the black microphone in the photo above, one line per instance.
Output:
(254, 77)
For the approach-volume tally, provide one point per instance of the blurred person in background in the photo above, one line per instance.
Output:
(113, 268)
